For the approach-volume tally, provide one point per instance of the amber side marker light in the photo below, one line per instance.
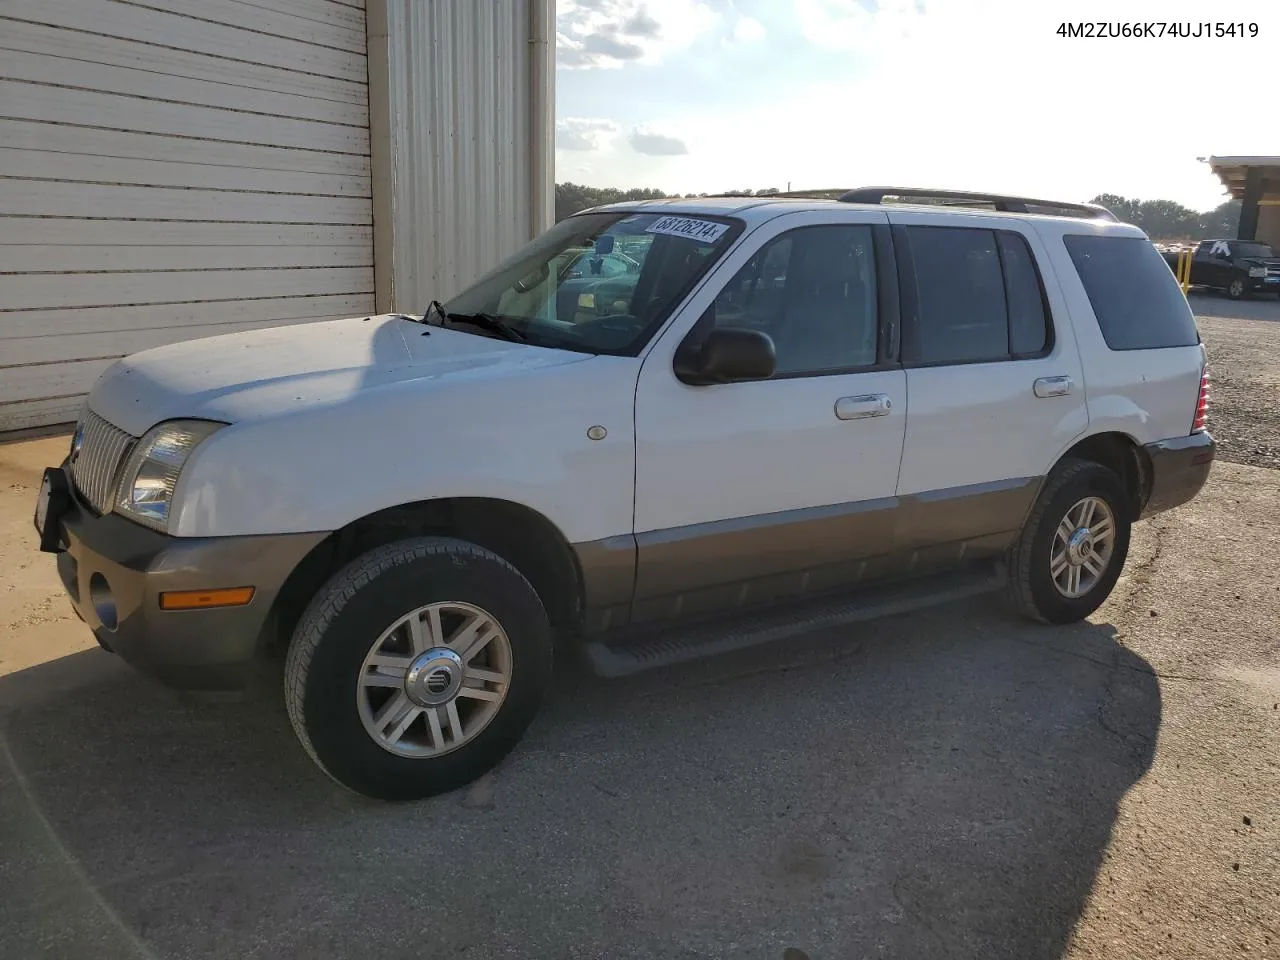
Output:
(202, 599)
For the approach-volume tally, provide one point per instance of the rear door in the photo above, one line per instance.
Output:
(995, 385)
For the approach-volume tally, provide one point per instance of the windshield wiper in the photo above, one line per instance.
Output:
(487, 321)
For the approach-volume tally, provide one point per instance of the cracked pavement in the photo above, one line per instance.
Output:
(954, 783)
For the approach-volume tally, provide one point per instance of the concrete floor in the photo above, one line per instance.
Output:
(955, 783)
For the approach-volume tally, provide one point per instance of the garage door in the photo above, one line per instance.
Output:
(172, 169)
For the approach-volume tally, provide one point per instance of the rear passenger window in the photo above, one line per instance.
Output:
(1028, 319)
(1135, 296)
(972, 296)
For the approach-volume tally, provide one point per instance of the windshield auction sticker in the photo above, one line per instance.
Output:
(704, 231)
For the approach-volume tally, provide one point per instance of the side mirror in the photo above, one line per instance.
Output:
(725, 355)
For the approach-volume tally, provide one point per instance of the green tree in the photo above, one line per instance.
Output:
(1164, 220)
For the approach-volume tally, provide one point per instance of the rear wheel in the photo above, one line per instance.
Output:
(1073, 547)
(417, 668)
(1236, 288)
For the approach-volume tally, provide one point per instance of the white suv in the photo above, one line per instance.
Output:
(660, 430)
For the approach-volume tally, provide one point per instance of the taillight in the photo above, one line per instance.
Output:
(1198, 425)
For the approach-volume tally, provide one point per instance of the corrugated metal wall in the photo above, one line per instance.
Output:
(169, 170)
(462, 167)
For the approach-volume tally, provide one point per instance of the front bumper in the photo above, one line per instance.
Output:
(115, 570)
(1179, 469)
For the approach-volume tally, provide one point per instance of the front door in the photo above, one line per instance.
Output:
(749, 493)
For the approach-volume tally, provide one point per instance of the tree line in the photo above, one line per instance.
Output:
(1170, 222)
(1161, 220)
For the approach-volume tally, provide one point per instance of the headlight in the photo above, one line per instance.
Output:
(152, 470)
(1257, 271)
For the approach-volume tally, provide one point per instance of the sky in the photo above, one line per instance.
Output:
(711, 95)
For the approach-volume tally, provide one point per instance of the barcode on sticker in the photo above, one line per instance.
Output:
(704, 231)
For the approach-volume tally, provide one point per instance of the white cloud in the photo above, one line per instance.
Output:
(610, 33)
(648, 141)
(748, 30)
(853, 25)
(973, 94)
(583, 133)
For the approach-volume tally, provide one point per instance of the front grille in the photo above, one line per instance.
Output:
(95, 466)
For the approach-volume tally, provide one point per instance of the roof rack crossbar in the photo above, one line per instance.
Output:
(1005, 204)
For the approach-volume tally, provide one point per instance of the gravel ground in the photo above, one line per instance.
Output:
(1243, 342)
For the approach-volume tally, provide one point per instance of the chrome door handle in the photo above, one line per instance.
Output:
(1052, 386)
(867, 405)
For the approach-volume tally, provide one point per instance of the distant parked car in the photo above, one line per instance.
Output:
(1238, 267)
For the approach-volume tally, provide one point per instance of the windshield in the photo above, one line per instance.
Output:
(600, 282)
(1252, 250)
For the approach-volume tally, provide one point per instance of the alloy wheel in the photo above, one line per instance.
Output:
(434, 679)
(1082, 547)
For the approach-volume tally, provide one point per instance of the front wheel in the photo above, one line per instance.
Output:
(1069, 554)
(417, 668)
(1236, 288)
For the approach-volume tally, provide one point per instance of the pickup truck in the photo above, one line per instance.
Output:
(1239, 267)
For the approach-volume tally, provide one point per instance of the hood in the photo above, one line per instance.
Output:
(263, 373)
(1260, 261)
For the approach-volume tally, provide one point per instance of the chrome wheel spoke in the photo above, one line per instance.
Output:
(1073, 580)
(1065, 528)
(395, 716)
(437, 734)
(473, 637)
(405, 722)
(485, 676)
(418, 635)
(435, 632)
(379, 679)
(1086, 512)
(385, 671)
(479, 693)
(455, 724)
(1094, 565)
(1058, 564)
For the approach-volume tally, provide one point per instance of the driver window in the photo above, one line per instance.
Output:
(813, 290)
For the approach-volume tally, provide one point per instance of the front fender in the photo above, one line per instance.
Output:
(522, 438)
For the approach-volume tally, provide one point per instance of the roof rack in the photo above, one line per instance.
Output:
(959, 198)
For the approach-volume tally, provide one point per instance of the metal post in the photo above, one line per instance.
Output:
(1249, 204)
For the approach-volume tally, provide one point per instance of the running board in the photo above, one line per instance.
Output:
(647, 648)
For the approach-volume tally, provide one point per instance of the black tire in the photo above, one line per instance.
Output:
(348, 614)
(1031, 587)
(1237, 288)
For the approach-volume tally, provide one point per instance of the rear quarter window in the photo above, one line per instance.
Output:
(1134, 294)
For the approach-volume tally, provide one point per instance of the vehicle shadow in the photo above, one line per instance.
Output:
(935, 785)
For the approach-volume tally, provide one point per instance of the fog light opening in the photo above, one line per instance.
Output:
(104, 604)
